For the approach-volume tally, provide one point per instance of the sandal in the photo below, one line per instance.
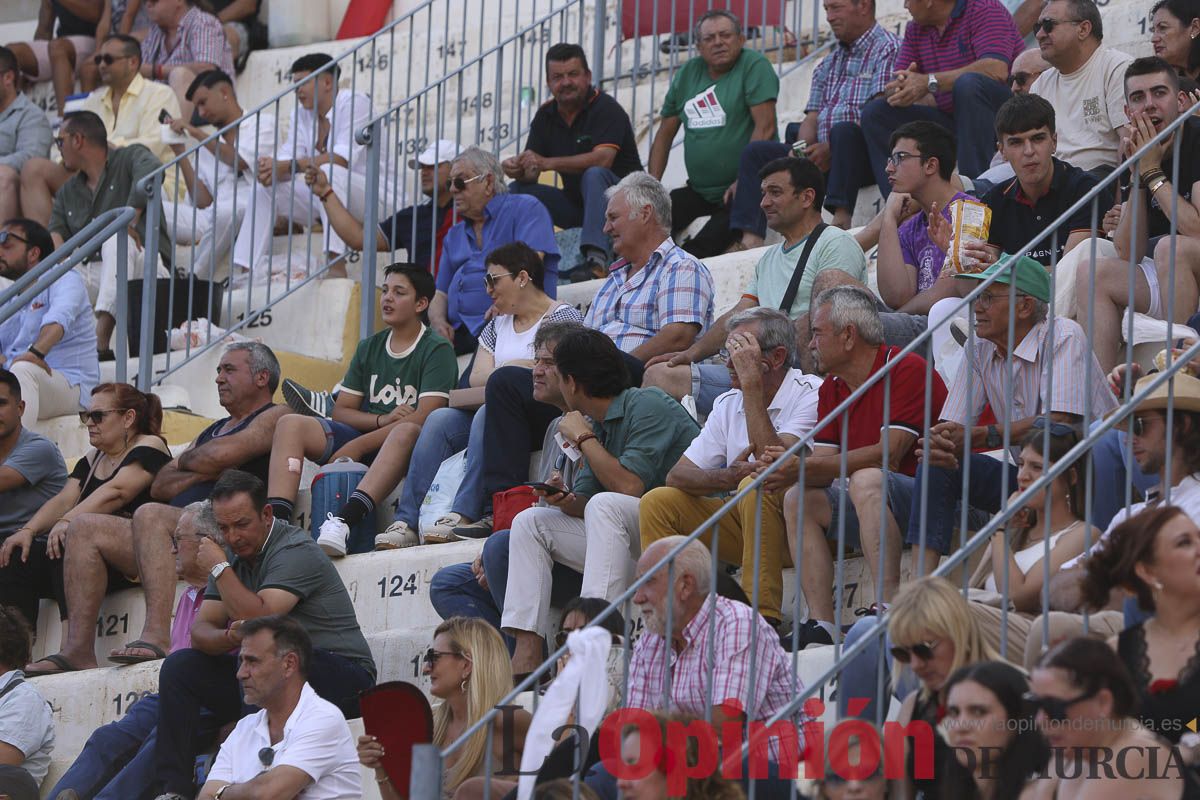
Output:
(123, 656)
(57, 660)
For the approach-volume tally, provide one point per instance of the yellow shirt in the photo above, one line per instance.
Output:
(136, 120)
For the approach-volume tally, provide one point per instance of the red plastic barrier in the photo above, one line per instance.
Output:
(363, 18)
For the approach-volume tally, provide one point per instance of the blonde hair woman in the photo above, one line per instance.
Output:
(469, 672)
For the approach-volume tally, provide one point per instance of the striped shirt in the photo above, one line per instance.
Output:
(774, 685)
(631, 307)
(1079, 384)
(199, 38)
(850, 76)
(977, 29)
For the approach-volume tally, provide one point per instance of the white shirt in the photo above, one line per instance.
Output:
(256, 138)
(793, 411)
(27, 724)
(1091, 103)
(1185, 495)
(316, 739)
(350, 112)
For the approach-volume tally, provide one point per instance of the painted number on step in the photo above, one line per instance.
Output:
(416, 662)
(468, 104)
(378, 61)
(262, 319)
(124, 701)
(496, 132)
(1142, 23)
(397, 585)
(452, 48)
(112, 625)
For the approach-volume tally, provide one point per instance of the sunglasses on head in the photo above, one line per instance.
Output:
(6, 235)
(1048, 25)
(461, 183)
(97, 416)
(1055, 708)
(922, 650)
(431, 656)
(1056, 428)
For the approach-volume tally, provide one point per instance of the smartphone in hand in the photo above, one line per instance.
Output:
(546, 487)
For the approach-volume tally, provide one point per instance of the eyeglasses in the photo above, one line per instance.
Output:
(431, 656)
(1056, 428)
(266, 756)
(106, 59)
(176, 538)
(985, 300)
(460, 184)
(1139, 424)
(1055, 708)
(490, 280)
(1047, 25)
(6, 235)
(1020, 79)
(922, 650)
(896, 158)
(97, 416)
(58, 141)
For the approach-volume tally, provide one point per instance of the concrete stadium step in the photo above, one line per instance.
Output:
(179, 425)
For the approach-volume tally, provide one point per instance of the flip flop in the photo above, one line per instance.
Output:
(137, 644)
(58, 661)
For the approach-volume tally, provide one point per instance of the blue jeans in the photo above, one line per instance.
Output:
(976, 98)
(565, 213)
(445, 432)
(860, 676)
(1110, 471)
(945, 488)
(849, 166)
(745, 213)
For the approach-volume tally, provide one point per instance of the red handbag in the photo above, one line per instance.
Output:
(508, 503)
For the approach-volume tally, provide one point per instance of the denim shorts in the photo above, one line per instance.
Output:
(337, 435)
(899, 499)
(709, 381)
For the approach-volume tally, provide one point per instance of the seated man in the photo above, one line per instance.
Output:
(220, 175)
(56, 54)
(31, 473)
(841, 84)
(951, 68)
(591, 526)
(83, 142)
(585, 136)
(1169, 273)
(395, 379)
(418, 229)
(318, 757)
(26, 720)
(24, 134)
(247, 377)
(139, 102)
(183, 41)
(243, 31)
(117, 762)
(880, 460)
(320, 135)
(49, 344)
(723, 98)
(1086, 76)
(792, 190)
(1014, 385)
(771, 404)
(275, 569)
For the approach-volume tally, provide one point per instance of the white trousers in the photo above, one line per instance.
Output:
(101, 278)
(45, 394)
(604, 546)
(207, 233)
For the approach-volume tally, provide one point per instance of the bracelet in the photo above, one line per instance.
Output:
(579, 442)
(383, 780)
(1158, 184)
(378, 418)
(1148, 177)
(324, 197)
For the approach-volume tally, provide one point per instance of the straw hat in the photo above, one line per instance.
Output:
(1185, 394)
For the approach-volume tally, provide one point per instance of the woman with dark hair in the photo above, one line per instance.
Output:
(128, 449)
(1083, 702)
(653, 785)
(996, 748)
(26, 723)
(1175, 35)
(1156, 557)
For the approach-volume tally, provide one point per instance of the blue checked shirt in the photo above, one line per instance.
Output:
(850, 76)
(672, 287)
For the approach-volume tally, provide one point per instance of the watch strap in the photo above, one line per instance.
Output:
(217, 569)
(37, 352)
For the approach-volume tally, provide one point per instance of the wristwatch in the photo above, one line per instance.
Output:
(37, 352)
(218, 569)
(933, 84)
(993, 437)
(221, 791)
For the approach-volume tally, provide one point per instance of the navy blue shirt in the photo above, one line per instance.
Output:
(399, 231)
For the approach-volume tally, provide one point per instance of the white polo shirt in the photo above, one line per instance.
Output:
(793, 410)
(316, 739)
(27, 724)
(1185, 495)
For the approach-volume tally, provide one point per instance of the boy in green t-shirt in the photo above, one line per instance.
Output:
(395, 380)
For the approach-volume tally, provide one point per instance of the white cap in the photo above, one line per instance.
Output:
(439, 151)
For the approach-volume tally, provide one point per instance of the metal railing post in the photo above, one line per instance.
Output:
(149, 282)
(426, 778)
(121, 345)
(371, 138)
(598, 41)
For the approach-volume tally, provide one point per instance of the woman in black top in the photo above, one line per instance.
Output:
(128, 449)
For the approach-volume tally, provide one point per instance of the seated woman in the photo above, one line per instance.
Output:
(934, 633)
(469, 672)
(514, 281)
(996, 748)
(1084, 700)
(1154, 555)
(128, 449)
(653, 786)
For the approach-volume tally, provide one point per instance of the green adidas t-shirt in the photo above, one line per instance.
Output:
(385, 378)
(716, 117)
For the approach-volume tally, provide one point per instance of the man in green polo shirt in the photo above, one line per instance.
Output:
(627, 440)
(106, 178)
(723, 99)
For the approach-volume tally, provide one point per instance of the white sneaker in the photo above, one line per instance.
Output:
(396, 536)
(443, 530)
(334, 533)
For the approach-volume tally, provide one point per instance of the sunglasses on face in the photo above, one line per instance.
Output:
(431, 656)
(58, 141)
(1048, 25)
(6, 235)
(1019, 79)
(460, 184)
(1055, 708)
(922, 650)
(97, 416)
(106, 59)
(490, 279)
(1140, 424)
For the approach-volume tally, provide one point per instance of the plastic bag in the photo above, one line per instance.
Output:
(441, 492)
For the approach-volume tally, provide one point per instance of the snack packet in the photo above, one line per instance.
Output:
(969, 222)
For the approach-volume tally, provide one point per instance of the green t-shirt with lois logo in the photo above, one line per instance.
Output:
(386, 378)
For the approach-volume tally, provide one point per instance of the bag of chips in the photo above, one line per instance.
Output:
(969, 222)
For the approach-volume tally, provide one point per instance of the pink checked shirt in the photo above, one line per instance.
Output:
(773, 684)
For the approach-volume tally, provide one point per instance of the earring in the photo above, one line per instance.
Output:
(1158, 587)
(463, 686)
